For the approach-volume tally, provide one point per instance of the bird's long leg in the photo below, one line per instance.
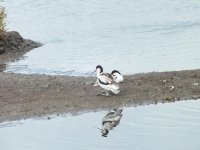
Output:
(106, 93)
(96, 83)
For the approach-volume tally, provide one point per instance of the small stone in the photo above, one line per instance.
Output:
(171, 88)
(195, 84)
(164, 81)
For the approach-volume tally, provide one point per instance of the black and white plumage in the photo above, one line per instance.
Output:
(111, 120)
(117, 76)
(105, 80)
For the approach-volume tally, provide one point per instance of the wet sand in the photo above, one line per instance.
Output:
(24, 96)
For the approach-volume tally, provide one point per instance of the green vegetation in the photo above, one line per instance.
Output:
(2, 18)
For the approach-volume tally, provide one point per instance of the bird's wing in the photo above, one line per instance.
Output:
(110, 114)
(109, 75)
(106, 78)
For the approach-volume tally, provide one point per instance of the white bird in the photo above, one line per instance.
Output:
(110, 121)
(117, 76)
(105, 80)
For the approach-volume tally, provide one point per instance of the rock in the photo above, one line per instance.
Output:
(13, 43)
(13, 36)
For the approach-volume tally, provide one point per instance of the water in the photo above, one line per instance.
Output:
(164, 126)
(131, 36)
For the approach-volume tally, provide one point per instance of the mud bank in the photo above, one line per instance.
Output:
(13, 45)
(23, 96)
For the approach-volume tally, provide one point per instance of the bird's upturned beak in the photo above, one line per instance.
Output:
(93, 71)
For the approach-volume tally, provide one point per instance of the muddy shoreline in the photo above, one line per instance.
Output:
(13, 46)
(24, 96)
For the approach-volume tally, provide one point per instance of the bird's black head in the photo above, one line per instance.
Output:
(105, 132)
(99, 67)
(115, 71)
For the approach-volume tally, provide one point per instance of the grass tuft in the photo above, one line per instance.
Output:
(2, 18)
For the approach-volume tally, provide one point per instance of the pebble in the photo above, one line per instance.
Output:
(195, 84)
(171, 88)
(164, 81)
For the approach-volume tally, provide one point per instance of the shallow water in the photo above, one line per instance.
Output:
(131, 36)
(163, 126)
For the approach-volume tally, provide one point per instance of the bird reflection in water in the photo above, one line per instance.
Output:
(111, 120)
